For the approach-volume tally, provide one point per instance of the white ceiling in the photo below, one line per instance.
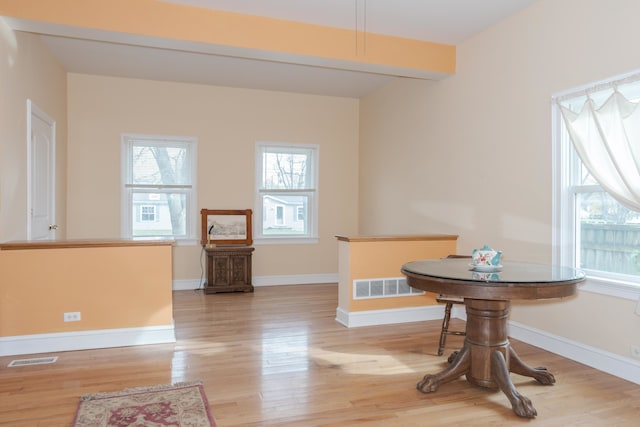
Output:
(442, 21)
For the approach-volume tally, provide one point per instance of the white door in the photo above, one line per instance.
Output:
(41, 135)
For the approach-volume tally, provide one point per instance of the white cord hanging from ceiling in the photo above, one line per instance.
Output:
(363, 9)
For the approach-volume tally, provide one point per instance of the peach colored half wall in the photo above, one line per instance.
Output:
(382, 257)
(113, 287)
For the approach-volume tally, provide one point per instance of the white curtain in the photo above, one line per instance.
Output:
(607, 139)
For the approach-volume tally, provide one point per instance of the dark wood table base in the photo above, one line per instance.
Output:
(486, 359)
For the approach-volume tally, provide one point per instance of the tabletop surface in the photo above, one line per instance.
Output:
(511, 271)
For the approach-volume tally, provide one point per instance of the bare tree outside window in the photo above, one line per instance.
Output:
(285, 170)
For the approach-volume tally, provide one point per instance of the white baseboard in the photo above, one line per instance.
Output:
(188, 284)
(295, 279)
(84, 340)
(389, 316)
(619, 366)
(299, 279)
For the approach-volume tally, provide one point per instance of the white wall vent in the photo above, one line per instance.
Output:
(383, 288)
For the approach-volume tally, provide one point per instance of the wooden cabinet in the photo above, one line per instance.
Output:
(229, 269)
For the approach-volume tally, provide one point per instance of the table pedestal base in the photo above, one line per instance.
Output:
(487, 357)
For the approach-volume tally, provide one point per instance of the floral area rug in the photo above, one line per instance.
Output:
(177, 405)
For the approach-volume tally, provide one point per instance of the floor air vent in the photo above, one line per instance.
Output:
(35, 361)
(383, 288)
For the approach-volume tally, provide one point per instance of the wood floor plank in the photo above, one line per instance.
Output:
(277, 357)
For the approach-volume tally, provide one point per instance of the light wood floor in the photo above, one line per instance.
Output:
(277, 357)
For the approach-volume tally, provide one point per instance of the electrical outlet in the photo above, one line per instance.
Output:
(635, 351)
(72, 316)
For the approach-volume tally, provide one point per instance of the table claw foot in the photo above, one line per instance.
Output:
(540, 374)
(428, 384)
(458, 367)
(520, 404)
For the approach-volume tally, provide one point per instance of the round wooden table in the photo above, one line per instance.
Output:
(487, 357)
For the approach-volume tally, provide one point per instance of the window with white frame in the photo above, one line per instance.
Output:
(158, 187)
(286, 192)
(592, 230)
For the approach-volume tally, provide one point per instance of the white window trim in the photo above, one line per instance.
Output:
(563, 252)
(312, 214)
(125, 205)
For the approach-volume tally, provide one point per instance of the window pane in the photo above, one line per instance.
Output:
(168, 212)
(281, 214)
(609, 234)
(160, 165)
(286, 170)
(585, 177)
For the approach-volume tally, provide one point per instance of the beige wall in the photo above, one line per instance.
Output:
(27, 71)
(227, 123)
(471, 155)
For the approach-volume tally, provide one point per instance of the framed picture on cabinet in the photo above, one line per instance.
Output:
(226, 227)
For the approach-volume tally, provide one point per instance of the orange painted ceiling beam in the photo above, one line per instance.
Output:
(161, 24)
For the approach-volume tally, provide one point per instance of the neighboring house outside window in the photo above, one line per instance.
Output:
(592, 230)
(286, 192)
(158, 191)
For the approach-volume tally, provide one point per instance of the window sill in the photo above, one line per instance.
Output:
(188, 242)
(614, 288)
(286, 241)
(176, 241)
